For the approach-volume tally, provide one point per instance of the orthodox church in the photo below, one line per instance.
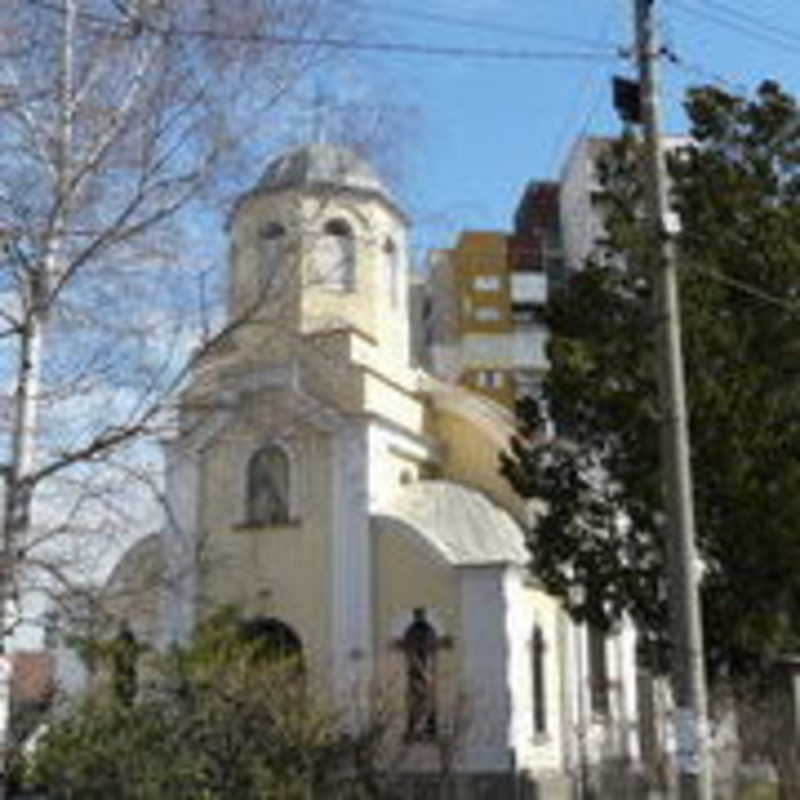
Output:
(350, 502)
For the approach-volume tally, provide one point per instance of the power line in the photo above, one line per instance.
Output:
(474, 23)
(337, 43)
(748, 288)
(403, 47)
(753, 19)
(588, 86)
(694, 68)
(740, 27)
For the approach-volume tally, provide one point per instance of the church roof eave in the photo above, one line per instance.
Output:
(495, 421)
(461, 525)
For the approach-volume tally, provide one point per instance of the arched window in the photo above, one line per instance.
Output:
(272, 639)
(598, 669)
(271, 236)
(538, 681)
(393, 267)
(272, 231)
(336, 256)
(268, 487)
(419, 646)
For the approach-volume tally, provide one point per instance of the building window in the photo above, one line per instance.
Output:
(336, 255)
(419, 645)
(598, 670)
(490, 379)
(487, 313)
(392, 262)
(486, 283)
(268, 487)
(538, 680)
(528, 313)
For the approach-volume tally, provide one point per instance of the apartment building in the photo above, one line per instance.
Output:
(486, 295)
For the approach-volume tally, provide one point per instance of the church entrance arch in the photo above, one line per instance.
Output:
(272, 639)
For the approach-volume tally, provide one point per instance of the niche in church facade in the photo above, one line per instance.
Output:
(268, 486)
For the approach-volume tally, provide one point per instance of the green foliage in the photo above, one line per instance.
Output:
(737, 192)
(215, 720)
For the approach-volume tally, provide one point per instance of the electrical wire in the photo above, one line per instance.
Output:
(788, 43)
(694, 68)
(478, 24)
(407, 47)
(748, 288)
(336, 43)
(753, 19)
(589, 87)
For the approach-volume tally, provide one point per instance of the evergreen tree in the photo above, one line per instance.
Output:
(736, 190)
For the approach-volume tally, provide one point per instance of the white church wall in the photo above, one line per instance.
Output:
(394, 459)
(626, 675)
(485, 665)
(529, 608)
(351, 561)
(610, 737)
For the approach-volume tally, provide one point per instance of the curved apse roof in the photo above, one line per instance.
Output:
(321, 164)
(463, 526)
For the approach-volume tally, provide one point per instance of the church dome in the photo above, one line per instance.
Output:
(321, 165)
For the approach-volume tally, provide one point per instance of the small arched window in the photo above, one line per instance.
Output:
(393, 268)
(538, 681)
(268, 487)
(271, 248)
(272, 231)
(336, 257)
(419, 647)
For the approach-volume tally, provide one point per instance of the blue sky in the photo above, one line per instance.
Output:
(480, 128)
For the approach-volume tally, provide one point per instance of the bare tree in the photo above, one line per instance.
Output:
(116, 118)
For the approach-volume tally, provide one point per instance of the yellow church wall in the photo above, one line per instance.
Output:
(472, 458)
(277, 292)
(321, 303)
(377, 304)
(407, 577)
(277, 571)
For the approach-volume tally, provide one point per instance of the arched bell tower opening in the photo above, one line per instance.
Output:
(335, 256)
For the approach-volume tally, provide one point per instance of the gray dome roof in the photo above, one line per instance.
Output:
(463, 526)
(321, 164)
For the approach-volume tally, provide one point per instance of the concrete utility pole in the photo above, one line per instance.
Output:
(688, 669)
